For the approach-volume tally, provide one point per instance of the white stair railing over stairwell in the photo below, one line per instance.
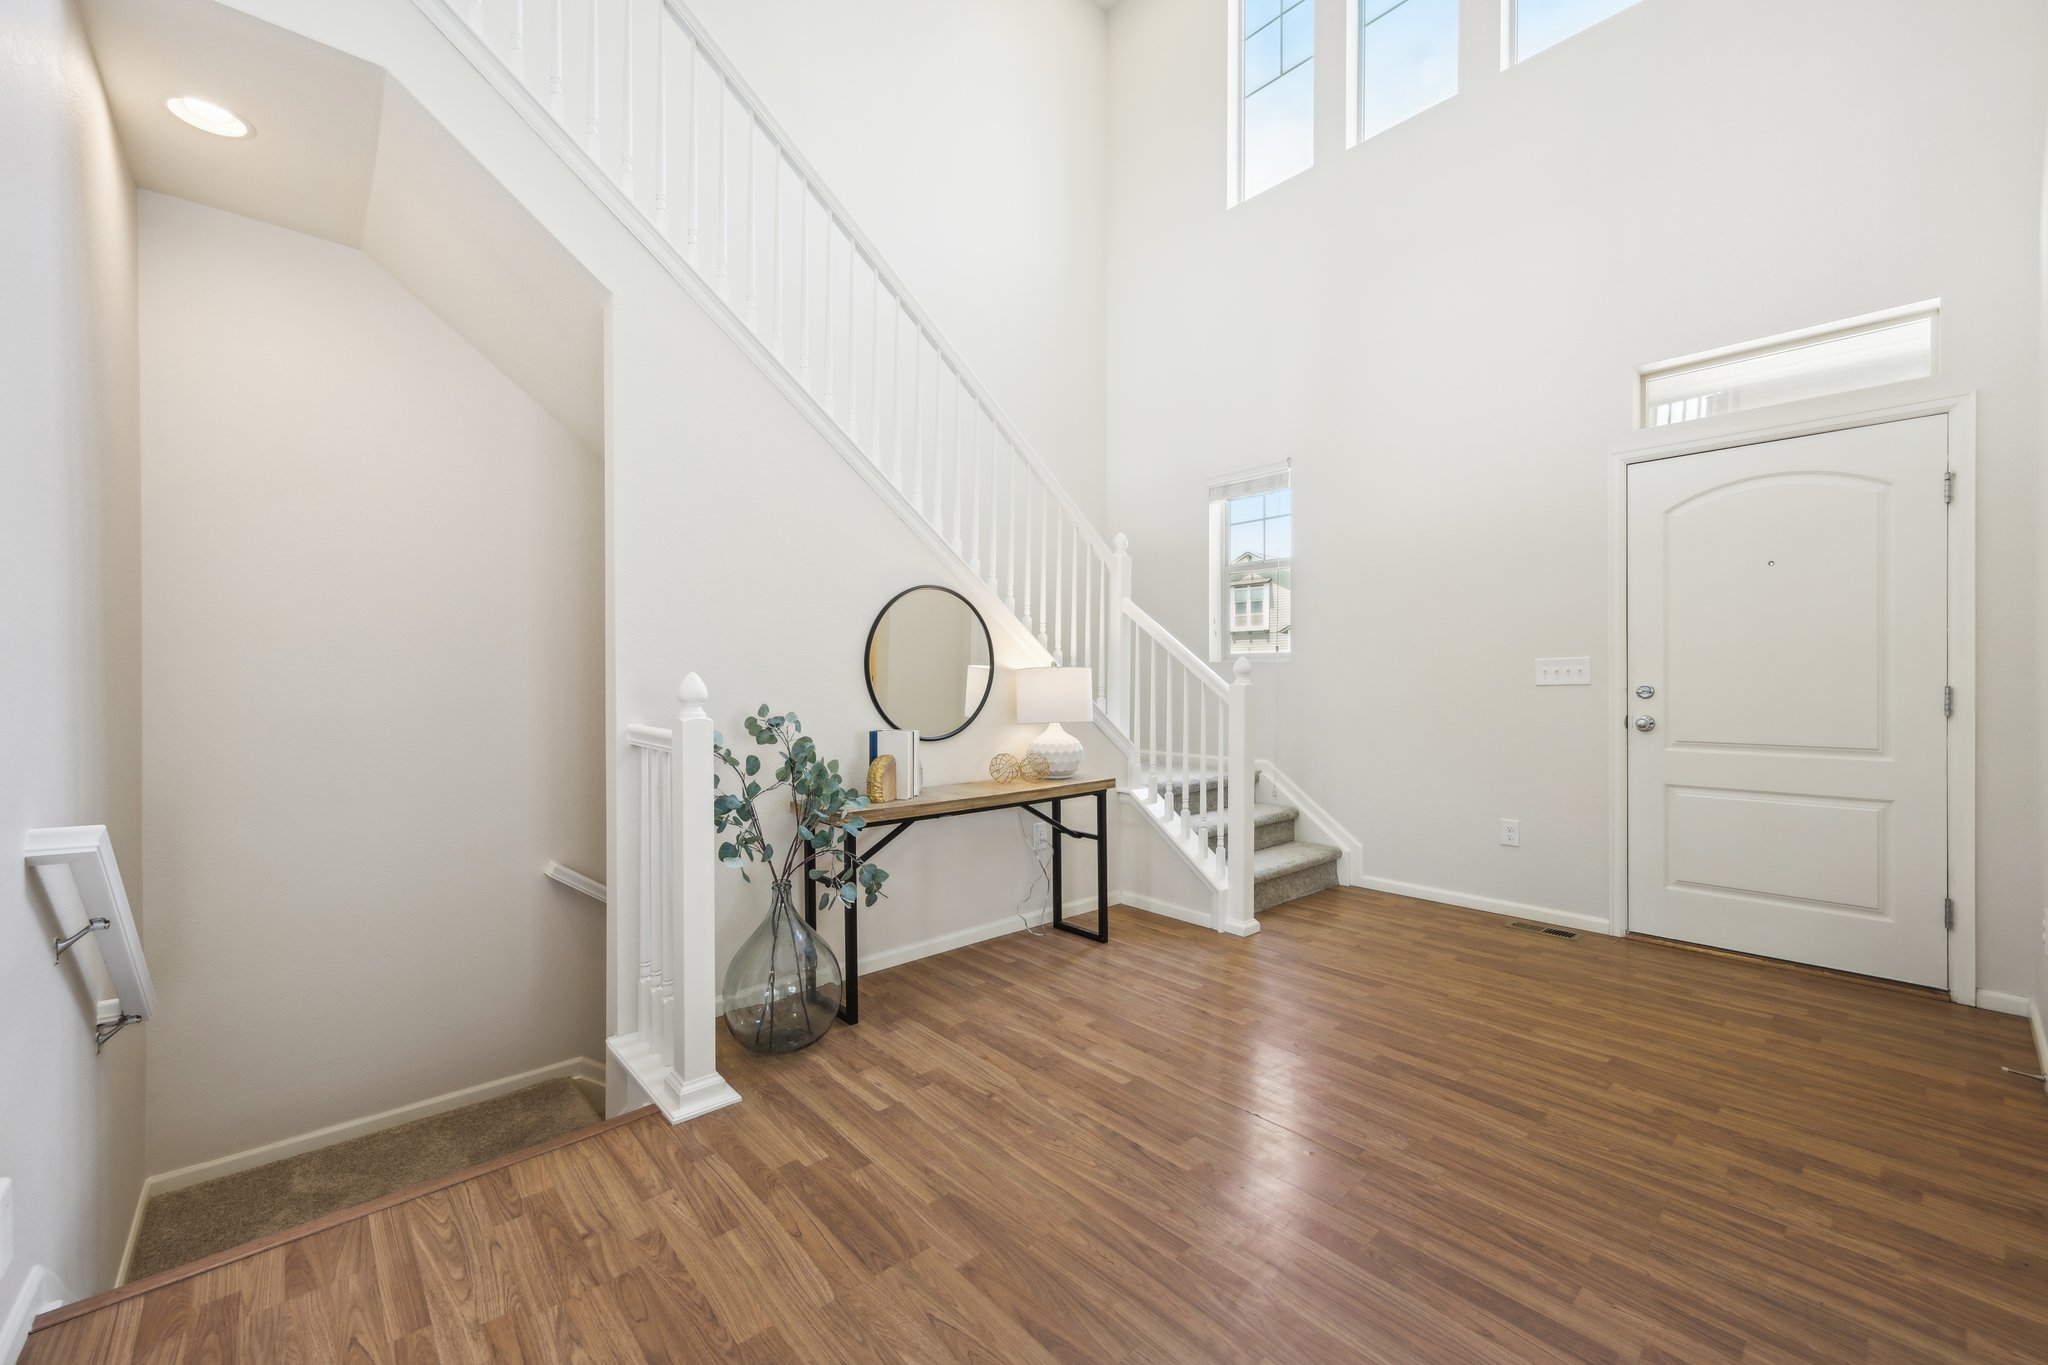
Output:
(639, 101)
(668, 1003)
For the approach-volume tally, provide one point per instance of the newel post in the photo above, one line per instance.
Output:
(693, 910)
(1119, 640)
(1239, 916)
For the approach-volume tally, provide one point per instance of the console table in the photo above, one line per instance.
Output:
(969, 798)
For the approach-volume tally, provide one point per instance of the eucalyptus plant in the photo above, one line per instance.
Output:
(825, 808)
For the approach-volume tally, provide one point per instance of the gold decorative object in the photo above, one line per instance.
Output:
(1036, 768)
(882, 778)
(1004, 767)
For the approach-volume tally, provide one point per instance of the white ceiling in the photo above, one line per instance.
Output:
(340, 151)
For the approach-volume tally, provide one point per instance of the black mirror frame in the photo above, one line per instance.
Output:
(867, 653)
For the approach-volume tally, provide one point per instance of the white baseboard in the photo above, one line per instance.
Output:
(1568, 919)
(2003, 1003)
(1154, 905)
(582, 1070)
(40, 1292)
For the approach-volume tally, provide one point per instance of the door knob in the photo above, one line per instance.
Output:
(1646, 723)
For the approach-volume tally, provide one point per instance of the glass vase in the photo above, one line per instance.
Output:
(782, 990)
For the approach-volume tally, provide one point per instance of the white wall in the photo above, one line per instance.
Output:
(1440, 329)
(372, 653)
(70, 1122)
(969, 142)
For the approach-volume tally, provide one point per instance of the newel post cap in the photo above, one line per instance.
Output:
(1121, 544)
(693, 692)
(1243, 669)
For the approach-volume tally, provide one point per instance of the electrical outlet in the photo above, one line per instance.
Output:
(1564, 672)
(1511, 833)
(1041, 834)
(6, 1225)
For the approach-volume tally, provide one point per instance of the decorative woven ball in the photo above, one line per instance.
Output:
(1004, 768)
(1036, 768)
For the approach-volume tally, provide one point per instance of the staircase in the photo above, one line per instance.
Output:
(637, 99)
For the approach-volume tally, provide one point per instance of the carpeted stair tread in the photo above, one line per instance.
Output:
(183, 1225)
(1287, 872)
(1295, 857)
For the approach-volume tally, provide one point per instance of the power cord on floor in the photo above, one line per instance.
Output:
(1042, 871)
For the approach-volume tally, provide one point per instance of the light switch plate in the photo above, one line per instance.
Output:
(1564, 672)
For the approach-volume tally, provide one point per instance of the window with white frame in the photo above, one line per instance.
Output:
(1536, 24)
(1276, 92)
(1840, 357)
(1251, 565)
(1407, 59)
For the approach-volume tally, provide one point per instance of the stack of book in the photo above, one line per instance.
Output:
(900, 745)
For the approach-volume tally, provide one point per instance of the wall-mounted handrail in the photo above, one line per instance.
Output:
(576, 881)
(76, 866)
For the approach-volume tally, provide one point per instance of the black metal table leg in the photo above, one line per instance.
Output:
(849, 1011)
(1102, 866)
(810, 888)
(1059, 900)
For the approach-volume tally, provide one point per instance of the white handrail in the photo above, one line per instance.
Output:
(576, 881)
(76, 866)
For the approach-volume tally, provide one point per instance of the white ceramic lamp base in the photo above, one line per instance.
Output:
(1060, 750)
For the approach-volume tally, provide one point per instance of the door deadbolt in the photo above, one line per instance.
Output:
(1646, 691)
(1646, 723)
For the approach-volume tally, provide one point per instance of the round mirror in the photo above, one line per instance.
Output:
(928, 662)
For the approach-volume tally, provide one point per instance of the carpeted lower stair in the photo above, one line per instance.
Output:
(184, 1225)
(1284, 868)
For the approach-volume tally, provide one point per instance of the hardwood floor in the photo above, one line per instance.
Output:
(1379, 1131)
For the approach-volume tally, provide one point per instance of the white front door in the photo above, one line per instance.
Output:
(1787, 659)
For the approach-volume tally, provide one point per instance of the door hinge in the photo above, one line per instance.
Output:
(1948, 914)
(1948, 702)
(1948, 485)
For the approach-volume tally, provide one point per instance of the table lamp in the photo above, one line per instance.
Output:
(1049, 696)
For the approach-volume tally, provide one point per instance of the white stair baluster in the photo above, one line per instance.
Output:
(895, 394)
(626, 102)
(875, 365)
(803, 288)
(753, 232)
(591, 140)
(852, 368)
(831, 358)
(724, 192)
(660, 122)
(775, 266)
(690, 157)
(555, 77)
(916, 447)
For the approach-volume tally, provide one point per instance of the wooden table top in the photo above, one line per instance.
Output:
(956, 798)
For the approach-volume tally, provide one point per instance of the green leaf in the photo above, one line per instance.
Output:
(849, 895)
(753, 764)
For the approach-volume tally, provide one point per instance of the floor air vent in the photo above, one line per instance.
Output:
(1549, 929)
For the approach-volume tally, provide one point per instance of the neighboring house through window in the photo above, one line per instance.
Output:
(1251, 565)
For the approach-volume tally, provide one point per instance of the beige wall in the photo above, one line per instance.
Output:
(70, 1122)
(373, 655)
(1441, 326)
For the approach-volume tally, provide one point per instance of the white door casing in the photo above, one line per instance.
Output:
(1788, 602)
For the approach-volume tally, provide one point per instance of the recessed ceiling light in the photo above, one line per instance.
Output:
(207, 116)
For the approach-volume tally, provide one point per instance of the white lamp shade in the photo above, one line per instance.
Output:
(1052, 695)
